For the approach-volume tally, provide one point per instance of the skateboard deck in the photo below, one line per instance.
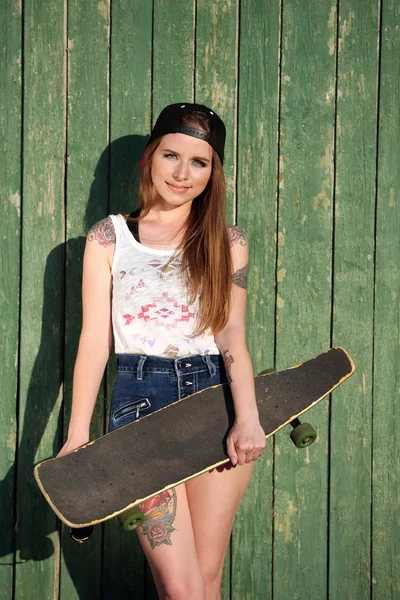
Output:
(122, 469)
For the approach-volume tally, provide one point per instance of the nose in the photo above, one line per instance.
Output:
(181, 172)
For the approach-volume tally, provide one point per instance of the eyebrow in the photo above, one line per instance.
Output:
(207, 160)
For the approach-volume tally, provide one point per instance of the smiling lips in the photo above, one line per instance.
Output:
(179, 189)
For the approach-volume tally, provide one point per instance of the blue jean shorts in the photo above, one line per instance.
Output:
(147, 383)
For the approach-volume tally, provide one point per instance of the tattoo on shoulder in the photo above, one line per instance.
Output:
(159, 514)
(103, 232)
(228, 360)
(239, 278)
(236, 236)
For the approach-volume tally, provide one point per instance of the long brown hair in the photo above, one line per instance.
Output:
(205, 252)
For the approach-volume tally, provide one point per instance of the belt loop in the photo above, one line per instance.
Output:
(212, 369)
(141, 362)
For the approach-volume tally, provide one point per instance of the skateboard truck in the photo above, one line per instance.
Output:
(81, 534)
(303, 434)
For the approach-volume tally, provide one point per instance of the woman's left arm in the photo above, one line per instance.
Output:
(246, 440)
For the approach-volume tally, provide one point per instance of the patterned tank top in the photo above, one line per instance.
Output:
(151, 313)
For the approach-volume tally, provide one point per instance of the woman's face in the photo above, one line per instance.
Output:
(180, 169)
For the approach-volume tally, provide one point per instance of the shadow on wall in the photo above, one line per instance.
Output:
(116, 175)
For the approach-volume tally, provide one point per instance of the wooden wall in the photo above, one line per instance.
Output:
(310, 96)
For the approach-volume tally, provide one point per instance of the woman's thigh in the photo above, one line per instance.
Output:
(167, 539)
(213, 500)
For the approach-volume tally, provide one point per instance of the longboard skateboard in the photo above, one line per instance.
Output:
(113, 474)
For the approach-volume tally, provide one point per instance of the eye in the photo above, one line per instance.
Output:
(200, 162)
(169, 155)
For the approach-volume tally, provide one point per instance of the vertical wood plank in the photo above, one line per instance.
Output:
(173, 53)
(350, 475)
(215, 86)
(304, 286)
(256, 214)
(130, 102)
(37, 569)
(386, 411)
(86, 203)
(10, 201)
(173, 65)
(216, 76)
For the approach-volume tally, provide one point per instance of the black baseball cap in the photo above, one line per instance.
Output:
(170, 121)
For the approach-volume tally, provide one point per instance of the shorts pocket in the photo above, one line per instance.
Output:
(132, 409)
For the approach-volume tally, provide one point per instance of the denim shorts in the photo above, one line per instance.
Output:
(146, 383)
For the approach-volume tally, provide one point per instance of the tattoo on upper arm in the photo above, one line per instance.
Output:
(159, 513)
(103, 232)
(228, 360)
(239, 278)
(236, 236)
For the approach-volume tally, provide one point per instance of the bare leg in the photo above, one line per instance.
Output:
(167, 539)
(213, 501)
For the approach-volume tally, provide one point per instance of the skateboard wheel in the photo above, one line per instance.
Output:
(131, 519)
(81, 534)
(303, 435)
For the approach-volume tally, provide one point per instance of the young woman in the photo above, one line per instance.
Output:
(170, 285)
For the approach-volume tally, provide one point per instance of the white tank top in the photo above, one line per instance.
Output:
(150, 306)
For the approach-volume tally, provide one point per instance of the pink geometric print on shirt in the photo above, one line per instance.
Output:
(129, 319)
(166, 312)
(134, 289)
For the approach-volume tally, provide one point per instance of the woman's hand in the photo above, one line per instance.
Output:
(73, 443)
(246, 441)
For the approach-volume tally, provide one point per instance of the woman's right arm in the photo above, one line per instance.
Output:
(95, 339)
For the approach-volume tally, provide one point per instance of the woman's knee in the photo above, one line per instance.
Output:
(212, 575)
(183, 588)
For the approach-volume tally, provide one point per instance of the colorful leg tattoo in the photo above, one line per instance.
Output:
(159, 512)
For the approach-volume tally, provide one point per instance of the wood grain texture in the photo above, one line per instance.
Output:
(130, 99)
(173, 53)
(10, 202)
(353, 281)
(256, 215)
(130, 106)
(216, 76)
(37, 568)
(304, 286)
(86, 203)
(386, 391)
(173, 67)
(215, 86)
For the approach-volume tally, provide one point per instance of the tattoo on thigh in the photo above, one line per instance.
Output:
(159, 513)
(103, 232)
(228, 360)
(239, 278)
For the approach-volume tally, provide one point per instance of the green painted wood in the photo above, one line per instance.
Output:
(256, 215)
(10, 202)
(173, 53)
(215, 81)
(304, 287)
(37, 568)
(386, 391)
(172, 79)
(353, 281)
(194, 56)
(130, 102)
(86, 203)
(216, 76)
